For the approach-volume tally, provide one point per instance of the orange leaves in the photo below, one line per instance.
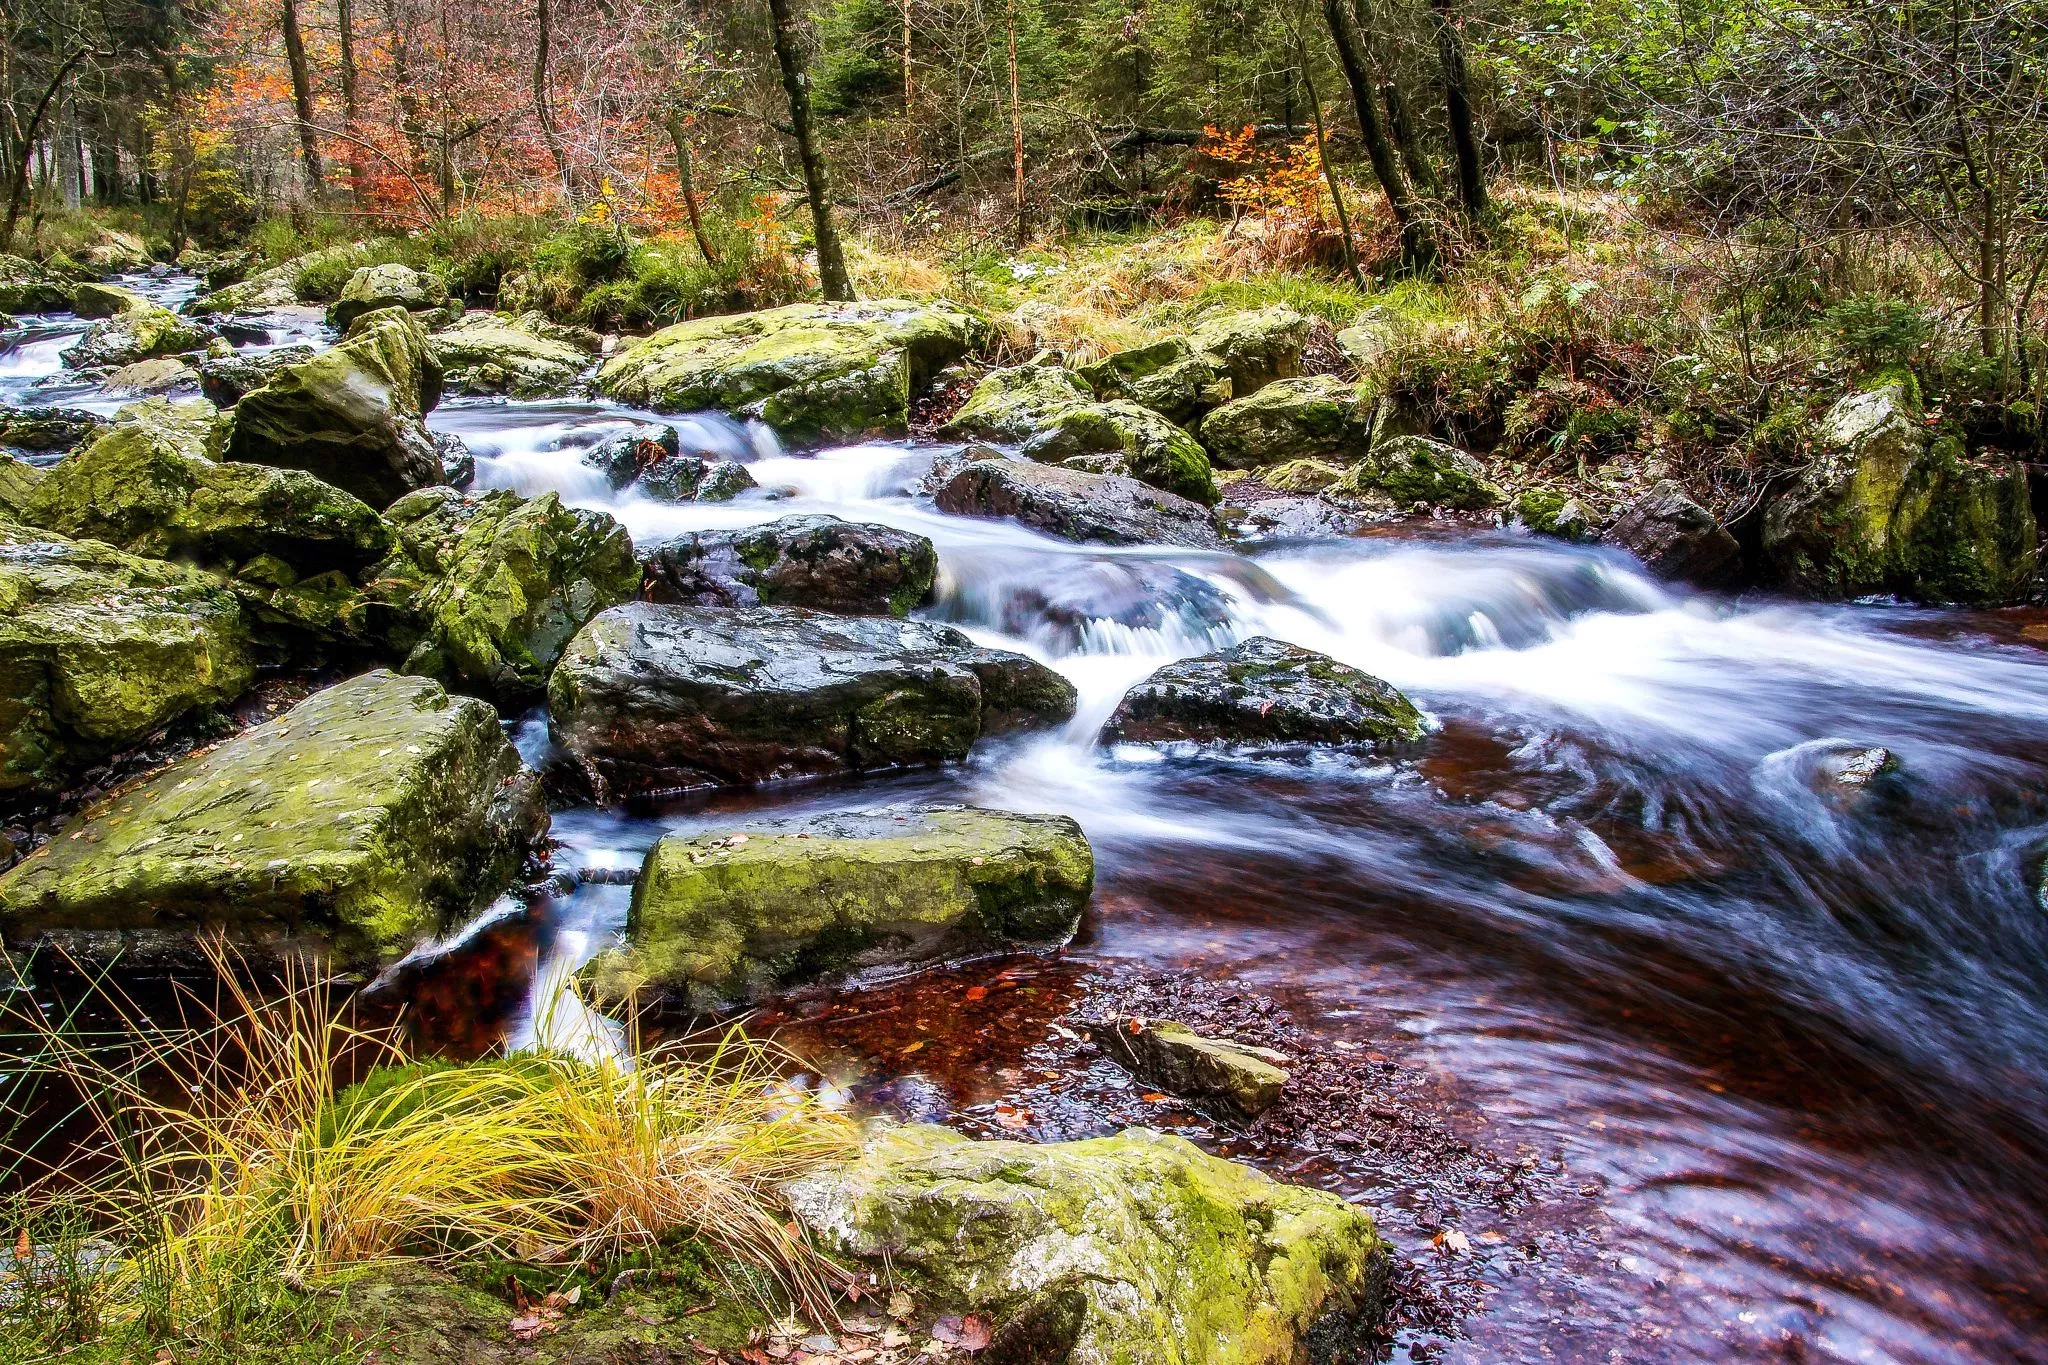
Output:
(1286, 185)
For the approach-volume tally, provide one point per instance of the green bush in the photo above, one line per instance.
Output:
(1876, 333)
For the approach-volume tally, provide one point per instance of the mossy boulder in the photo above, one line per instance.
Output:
(1241, 1080)
(225, 380)
(738, 914)
(1551, 512)
(1104, 509)
(813, 371)
(18, 480)
(1053, 416)
(98, 648)
(1171, 377)
(373, 813)
(1883, 508)
(820, 562)
(1255, 346)
(664, 698)
(1138, 1249)
(495, 585)
(140, 332)
(278, 285)
(352, 415)
(1301, 476)
(164, 375)
(1313, 417)
(390, 285)
(1267, 691)
(1415, 471)
(95, 300)
(140, 488)
(26, 287)
(522, 357)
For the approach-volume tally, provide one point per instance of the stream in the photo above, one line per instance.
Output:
(1771, 1048)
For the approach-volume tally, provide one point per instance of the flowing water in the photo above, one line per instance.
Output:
(1780, 1041)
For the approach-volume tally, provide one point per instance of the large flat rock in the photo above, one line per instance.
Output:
(654, 698)
(737, 914)
(372, 813)
(1102, 509)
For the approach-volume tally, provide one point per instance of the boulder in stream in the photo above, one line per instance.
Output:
(1313, 417)
(523, 356)
(736, 915)
(372, 813)
(821, 562)
(98, 648)
(1417, 472)
(1265, 691)
(1676, 538)
(352, 415)
(1242, 1080)
(225, 379)
(1170, 377)
(663, 698)
(649, 458)
(389, 285)
(1103, 509)
(95, 300)
(142, 331)
(18, 479)
(813, 371)
(26, 287)
(45, 431)
(1138, 1247)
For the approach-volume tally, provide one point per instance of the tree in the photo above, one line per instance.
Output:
(832, 275)
(302, 98)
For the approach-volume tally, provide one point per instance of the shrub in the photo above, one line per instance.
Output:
(1876, 333)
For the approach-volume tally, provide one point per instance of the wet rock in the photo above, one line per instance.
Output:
(1301, 476)
(1415, 471)
(495, 585)
(372, 813)
(1054, 416)
(386, 286)
(1293, 517)
(1243, 1081)
(1105, 509)
(1138, 1247)
(26, 287)
(47, 430)
(141, 488)
(820, 562)
(813, 371)
(1059, 601)
(1851, 769)
(140, 332)
(736, 915)
(93, 300)
(18, 479)
(458, 462)
(1676, 538)
(1314, 417)
(1885, 509)
(161, 376)
(1255, 346)
(225, 379)
(525, 356)
(98, 648)
(1170, 377)
(1548, 512)
(652, 697)
(276, 286)
(1265, 690)
(351, 415)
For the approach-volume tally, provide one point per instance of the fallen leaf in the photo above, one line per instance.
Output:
(900, 1307)
(912, 1048)
(1450, 1239)
(977, 993)
(1153, 1097)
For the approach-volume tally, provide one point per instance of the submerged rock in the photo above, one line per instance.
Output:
(386, 286)
(1136, 1248)
(98, 648)
(1244, 1081)
(352, 415)
(813, 371)
(1265, 690)
(654, 697)
(1676, 538)
(1105, 509)
(735, 915)
(1315, 417)
(821, 562)
(372, 813)
(1415, 471)
(140, 332)
(1054, 416)
(496, 584)
(525, 356)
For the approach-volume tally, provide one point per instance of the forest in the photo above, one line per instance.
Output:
(1133, 682)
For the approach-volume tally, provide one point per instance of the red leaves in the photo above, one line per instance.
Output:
(969, 1334)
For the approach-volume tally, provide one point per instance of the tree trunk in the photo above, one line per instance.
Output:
(26, 146)
(1016, 125)
(1416, 249)
(909, 90)
(302, 98)
(543, 110)
(832, 276)
(1315, 103)
(351, 109)
(1402, 125)
(1450, 53)
(686, 183)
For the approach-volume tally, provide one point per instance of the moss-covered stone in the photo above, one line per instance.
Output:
(390, 285)
(1254, 347)
(98, 648)
(277, 286)
(1137, 1249)
(1549, 512)
(372, 813)
(18, 479)
(1052, 414)
(1301, 476)
(813, 371)
(95, 300)
(1314, 417)
(1265, 690)
(139, 487)
(48, 430)
(351, 415)
(139, 332)
(1414, 471)
(737, 914)
(1171, 377)
(496, 585)
(26, 287)
(522, 357)
(1241, 1080)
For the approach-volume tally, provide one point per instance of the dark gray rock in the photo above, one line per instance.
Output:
(821, 562)
(650, 456)
(1265, 690)
(653, 698)
(48, 430)
(1676, 538)
(225, 379)
(1106, 509)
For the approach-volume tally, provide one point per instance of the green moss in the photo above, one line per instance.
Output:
(522, 357)
(1416, 471)
(1312, 417)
